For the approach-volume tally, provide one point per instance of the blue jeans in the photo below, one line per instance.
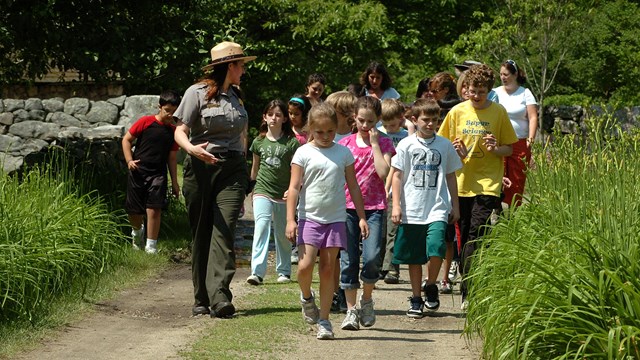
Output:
(265, 210)
(371, 247)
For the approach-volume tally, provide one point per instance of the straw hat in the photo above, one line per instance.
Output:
(225, 52)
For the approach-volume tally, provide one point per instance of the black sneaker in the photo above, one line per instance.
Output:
(343, 300)
(415, 307)
(432, 298)
(335, 303)
(383, 273)
(223, 309)
(391, 278)
(200, 310)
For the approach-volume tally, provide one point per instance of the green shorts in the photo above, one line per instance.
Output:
(416, 243)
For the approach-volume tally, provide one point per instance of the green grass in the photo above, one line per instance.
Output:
(560, 279)
(50, 237)
(264, 331)
(62, 250)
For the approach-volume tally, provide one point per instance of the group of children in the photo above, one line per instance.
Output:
(330, 176)
(357, 167)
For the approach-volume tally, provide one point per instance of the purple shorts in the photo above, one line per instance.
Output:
(322, 235)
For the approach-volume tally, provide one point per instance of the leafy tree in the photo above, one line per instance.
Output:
(339, 38)
(566, 47)
(293, 39)
(532, 32)
(606, 63)
(154, 44)
(422, 31)
(104, 40)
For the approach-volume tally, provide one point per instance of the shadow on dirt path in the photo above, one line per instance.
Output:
(394, 335)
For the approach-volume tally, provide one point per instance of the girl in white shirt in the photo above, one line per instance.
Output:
(319, 171)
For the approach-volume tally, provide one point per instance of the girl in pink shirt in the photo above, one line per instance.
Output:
(372, 152)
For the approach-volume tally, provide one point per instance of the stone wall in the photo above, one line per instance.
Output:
(94, 129)
(32, 127)
(50, 86)
(571, 119)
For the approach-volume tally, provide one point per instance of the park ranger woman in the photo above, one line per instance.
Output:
(212, 129)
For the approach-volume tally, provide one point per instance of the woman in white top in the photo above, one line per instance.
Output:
(522, 109)
(315, 88)
(376, 82)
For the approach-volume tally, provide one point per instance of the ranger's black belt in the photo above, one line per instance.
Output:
(228, 154)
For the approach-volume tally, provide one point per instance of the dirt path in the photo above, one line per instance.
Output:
(396, 336)
(153, 322)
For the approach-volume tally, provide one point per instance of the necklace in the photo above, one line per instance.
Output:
(425, 143)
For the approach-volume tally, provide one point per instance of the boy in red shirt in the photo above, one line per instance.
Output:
(147, 179)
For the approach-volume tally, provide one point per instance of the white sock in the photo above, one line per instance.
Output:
(152, 243)
(136, 232)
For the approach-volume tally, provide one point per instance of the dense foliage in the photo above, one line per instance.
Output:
(157, 44)
(105, 40)
(566, 46)
(561, 278)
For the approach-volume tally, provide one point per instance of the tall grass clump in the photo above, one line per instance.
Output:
(560, 278)
(52, 239)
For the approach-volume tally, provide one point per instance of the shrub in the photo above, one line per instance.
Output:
(568, 100)
(561, 277)
(51, 239)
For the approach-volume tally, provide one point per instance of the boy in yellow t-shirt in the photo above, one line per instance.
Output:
(482, 134)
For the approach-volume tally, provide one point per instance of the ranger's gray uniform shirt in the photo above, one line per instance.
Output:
(222, 122)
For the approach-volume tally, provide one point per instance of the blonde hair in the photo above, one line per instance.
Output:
(460, 84)
(391, 109)
(343, 102)
(320, 111)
